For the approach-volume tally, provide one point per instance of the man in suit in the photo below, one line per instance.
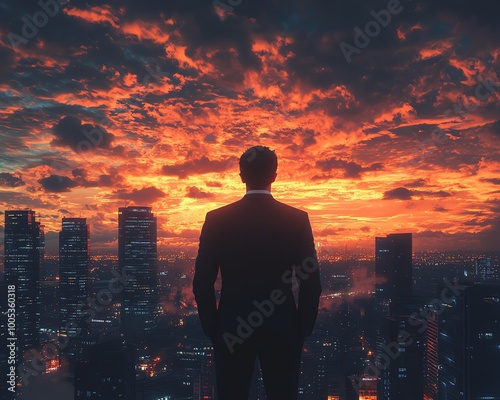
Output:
(261, 246)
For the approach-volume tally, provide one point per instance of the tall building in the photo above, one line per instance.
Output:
(24, 252)
(393, 266)
(469, 345)
(393, 280)
(402, 360)
(106, 371)
(138, 258)
(404, 366)
(73, 280)
(195, 361)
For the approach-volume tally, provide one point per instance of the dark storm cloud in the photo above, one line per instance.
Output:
(417, 183)
(80, 137)
(21, 200)
(213, 184)
(79, 173)
(144, 196)
(203, 28)
(402, 193)
(195, 193)
(495, 181)
(70, 33)
(210, 138)
(9, 180)
(429, 193)
(203, 165)
(494, 128)
(350, 169)
(331, 231)
(57, 184)
(414, 131)
(103, 180)
(307, 138)
(13, 141)
(7, 55)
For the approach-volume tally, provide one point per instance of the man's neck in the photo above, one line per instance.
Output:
(254, 191)
(268, 188)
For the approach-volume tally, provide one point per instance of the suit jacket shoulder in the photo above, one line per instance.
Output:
(237, 205)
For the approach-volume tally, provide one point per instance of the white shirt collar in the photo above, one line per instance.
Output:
(258, 191)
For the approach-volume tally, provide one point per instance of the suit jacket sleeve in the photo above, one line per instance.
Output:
(309, 285)
(206, 270)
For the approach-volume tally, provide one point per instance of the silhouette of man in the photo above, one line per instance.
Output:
(258, 243)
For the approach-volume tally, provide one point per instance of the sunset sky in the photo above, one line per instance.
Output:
(107, 104)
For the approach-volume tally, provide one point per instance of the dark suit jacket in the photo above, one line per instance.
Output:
(256, 242)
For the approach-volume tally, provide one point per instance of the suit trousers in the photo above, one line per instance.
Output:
(279, 356)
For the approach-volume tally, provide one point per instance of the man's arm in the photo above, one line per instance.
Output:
(307, 272)
(206, 270)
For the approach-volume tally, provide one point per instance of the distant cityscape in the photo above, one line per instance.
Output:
(393, 324)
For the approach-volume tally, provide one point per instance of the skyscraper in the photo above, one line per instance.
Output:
(393, 266)
(403, 366)
(24, 252)
(402, 359)
(73, 279)
(393, 279)
(137, 257)
(469, 345)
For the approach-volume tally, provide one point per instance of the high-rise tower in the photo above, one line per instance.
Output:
(73, 278)
(393, 266)
(137, 258)
(24, 252)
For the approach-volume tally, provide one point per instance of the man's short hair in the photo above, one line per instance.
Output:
(258, 165)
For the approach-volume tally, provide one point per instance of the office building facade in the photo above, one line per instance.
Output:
(24, 253)
(74, 260)
(138, 259)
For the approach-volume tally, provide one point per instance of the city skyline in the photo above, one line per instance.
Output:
(348, 350)
(382, 120)
(52, 242)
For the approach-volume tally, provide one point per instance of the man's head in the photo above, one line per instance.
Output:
(258, 167)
